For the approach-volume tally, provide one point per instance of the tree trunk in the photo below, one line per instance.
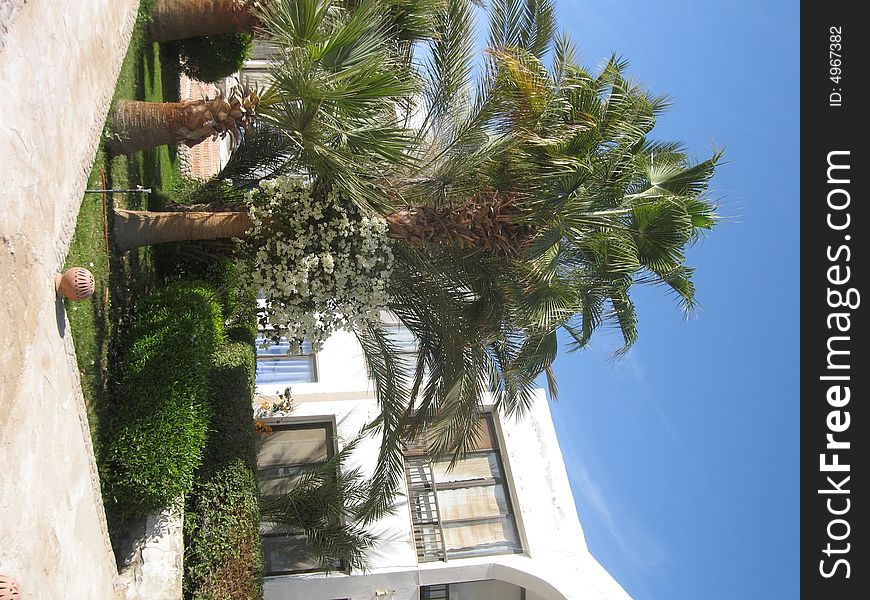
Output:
(134, 228)
(484, 223)
(180, 19)
(145, 125)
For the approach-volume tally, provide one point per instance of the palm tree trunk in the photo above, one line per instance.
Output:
(180, 19)
(481, 224)
(145, 125)
(134, 228)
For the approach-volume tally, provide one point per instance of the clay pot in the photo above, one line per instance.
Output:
(8, 588)
(76, 284)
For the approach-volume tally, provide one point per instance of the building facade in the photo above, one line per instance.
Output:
(501, 525)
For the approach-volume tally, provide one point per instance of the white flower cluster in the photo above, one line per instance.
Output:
(321, 264)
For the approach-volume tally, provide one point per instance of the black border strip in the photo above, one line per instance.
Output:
(835, 225)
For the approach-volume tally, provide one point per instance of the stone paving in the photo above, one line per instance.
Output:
(58, 66)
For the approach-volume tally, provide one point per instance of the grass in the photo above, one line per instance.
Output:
(147, 73)
(187, 403)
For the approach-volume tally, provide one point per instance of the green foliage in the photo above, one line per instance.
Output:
(604, 207)
(596, 205)
(213, 57)
(223, 557)
(231, 430)
(335, 89)
(155, 438)
(239, 305)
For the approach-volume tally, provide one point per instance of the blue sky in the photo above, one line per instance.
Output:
(683, 456)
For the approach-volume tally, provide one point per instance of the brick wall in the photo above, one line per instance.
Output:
(206, 158)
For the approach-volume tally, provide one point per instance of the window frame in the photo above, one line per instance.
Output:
(330, 434)
(262, 357)
(502, 479)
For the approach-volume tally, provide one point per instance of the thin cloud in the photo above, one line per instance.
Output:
(637, 545)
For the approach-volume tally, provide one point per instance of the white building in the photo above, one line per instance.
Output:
(500, 526)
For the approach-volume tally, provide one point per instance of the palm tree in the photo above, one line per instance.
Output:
(395, 25)
(536, 201)
(525, 201)
(180, 19)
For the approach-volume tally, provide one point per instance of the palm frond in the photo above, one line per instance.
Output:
(388, 372)
(526, 24)
(323, 504)
(449, 66)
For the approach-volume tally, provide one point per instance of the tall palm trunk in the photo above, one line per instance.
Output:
(145, 125)
(181, 19)
(476, 225)
(134, 228)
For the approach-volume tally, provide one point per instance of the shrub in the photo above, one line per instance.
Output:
(213, 57)
(223, 557)
(155, 437)
(322, 263)
(239, 304)
(231, 431)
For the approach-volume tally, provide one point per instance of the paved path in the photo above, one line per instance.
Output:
(58, 66)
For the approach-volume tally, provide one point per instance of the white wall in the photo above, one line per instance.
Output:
(556, 564)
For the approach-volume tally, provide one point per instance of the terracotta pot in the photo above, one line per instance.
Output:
(76, 284)
(8, 588)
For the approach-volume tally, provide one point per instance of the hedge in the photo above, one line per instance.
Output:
(155, 437)
(214, 57)
(223, 557)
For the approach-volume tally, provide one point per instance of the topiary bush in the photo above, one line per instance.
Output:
(155, 437)
(213, 57)
(239, 304)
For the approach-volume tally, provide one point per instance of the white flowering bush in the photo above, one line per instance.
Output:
(321, 263)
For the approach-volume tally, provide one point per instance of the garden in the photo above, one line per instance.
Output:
(498, 210)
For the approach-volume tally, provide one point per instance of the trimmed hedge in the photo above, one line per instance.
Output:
(223, 557)
(238, 305)
(156, 435)
(213, 57)
(184, 424)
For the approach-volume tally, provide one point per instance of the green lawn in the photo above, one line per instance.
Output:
(148, 73)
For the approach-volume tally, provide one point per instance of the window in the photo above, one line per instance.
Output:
(276, 369)
(465, 511)
(440, 591)
(282, 456)
(279, 370)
